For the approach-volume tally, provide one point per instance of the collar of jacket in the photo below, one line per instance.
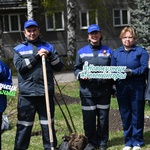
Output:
(122, 49)
(36, 41)
(95, 47)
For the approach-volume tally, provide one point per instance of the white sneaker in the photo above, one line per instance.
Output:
(136, 148)
(127, 148)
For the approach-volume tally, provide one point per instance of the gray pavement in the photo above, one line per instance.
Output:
(60, 77)
(65, 77)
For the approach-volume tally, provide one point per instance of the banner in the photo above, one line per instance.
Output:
(102, 72)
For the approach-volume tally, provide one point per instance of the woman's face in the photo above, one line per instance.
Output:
(127, 40)
(94, 37)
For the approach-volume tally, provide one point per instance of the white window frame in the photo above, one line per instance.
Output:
(87, 18)
(10, 23)
(120, 17)
(54, 22)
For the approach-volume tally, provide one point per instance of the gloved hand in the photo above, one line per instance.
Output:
(128, 72)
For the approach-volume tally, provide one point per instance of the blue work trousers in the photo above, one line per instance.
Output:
(131, 105)
(96, 118)
(27, 108)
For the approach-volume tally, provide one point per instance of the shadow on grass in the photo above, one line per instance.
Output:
(118, 141)
(147, 138)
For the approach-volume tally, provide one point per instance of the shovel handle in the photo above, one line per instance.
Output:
(47, 103)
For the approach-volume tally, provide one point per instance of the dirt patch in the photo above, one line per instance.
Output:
(115, 123)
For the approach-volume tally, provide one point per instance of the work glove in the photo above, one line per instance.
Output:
(128, 72)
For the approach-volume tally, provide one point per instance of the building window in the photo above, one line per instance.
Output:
(121, 17)
(87, 18)
(55, 22)
(13, 22)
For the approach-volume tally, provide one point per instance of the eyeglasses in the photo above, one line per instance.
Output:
(125, 38)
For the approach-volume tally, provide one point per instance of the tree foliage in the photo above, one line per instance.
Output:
(140, 20)
(70, 5)
(52, 5)
(101, 7)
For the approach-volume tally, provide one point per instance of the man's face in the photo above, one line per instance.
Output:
(32, 33)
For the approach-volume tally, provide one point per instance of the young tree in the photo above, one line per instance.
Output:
(70, 6)
(140, 20)
(71, 39)
(51, 6)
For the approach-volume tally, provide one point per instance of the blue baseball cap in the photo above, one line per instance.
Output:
(30, 23)
(93, 27)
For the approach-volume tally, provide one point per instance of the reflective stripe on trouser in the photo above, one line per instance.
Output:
(131, 105)
(95, 118)
(27, 108)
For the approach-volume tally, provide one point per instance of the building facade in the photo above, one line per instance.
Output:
(13, 14)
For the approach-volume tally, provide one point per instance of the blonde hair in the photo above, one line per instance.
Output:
(128, 29)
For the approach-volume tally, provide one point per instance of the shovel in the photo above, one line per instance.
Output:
(47, 103)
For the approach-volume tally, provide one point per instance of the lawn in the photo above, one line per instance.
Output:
(116, 140)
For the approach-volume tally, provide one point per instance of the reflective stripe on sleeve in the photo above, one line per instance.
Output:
(55, 62)
(28, 63)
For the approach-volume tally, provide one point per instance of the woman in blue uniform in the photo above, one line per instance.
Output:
(130, 91)
(5, 79)
(95, 94)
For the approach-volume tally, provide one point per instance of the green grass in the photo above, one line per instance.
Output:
(116, 140)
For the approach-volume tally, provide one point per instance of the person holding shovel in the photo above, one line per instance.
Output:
(5, 79)
(31, 97)
(95, 94)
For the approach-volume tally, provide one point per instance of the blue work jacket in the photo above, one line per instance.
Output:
(135, 59)
(29, 67)
(5, 79)
(97, 56)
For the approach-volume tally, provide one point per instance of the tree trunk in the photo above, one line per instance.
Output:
(30, 9)
(71, 39)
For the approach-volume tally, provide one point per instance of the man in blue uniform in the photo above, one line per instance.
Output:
(27, 60)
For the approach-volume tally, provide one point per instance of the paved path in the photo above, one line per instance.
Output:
(65, 77)
(60, 77)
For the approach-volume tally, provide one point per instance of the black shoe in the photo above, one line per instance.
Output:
(89, 147)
